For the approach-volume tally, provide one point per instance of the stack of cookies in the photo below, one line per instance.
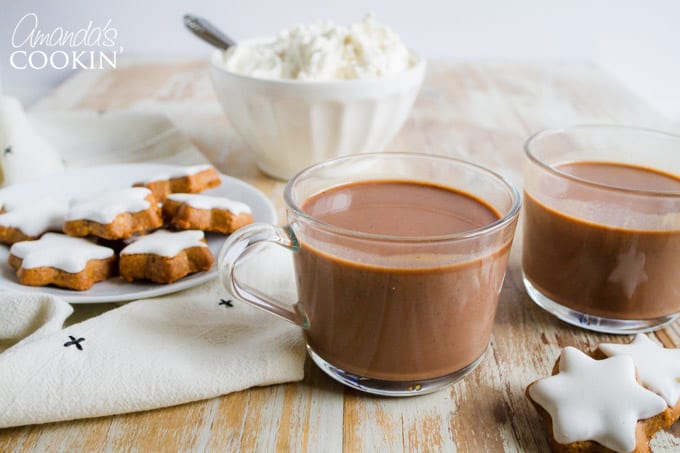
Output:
(152, 231)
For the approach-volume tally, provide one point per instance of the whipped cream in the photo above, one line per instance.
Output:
(323, 51)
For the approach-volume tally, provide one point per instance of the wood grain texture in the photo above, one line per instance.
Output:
(479, 112)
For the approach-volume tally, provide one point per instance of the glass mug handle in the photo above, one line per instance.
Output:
(243, 242)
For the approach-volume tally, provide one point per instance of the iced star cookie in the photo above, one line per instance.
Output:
(657, 367)
(113, 215)
(597, 405)
(191, 179)
(165, 256)
(29, 221)
(60, 260)
(207, 213)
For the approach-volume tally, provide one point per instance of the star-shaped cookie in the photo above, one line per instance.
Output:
(596, 400)
(658, 368)
(186, 211)
(64, 261)
(60, 252)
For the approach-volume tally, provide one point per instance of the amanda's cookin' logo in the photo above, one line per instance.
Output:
(89, 47)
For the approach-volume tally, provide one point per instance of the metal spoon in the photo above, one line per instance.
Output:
(208, 32)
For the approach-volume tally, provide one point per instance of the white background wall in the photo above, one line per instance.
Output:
(637, 40)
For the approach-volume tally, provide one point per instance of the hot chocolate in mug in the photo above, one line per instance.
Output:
(602, 226)
(399, 263)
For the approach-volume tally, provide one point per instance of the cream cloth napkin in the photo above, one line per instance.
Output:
(147, 354)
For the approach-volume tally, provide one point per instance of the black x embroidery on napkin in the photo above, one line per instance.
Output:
(226, 303)
(74, 342)
(8, 150)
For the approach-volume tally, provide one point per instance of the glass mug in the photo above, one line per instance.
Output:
(602, 226)
(386, 313)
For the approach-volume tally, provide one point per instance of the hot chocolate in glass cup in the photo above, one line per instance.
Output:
(602, 226)
(399, 262)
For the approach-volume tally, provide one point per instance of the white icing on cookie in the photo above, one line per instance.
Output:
(208, 202)
(105, 206)
(59, 251)
(35, 218)
(597, 400)
(658, 368)
(178, 173)
(165, 243)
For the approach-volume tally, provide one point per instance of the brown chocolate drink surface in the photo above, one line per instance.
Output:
(615, 264)
(395, 310)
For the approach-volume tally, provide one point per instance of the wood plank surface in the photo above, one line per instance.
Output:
(481, 112)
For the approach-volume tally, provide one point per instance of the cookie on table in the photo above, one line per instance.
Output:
(114, 215)
(658, 369)
(165, 256)
(208, 213)
(30, 220)
(60, 260)
(594, 405)
(193, 179)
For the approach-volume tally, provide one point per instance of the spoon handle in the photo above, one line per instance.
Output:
(207, 32)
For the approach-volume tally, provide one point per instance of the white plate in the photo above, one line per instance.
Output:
(89, 180)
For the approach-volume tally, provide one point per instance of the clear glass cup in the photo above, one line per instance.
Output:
(406, 320)
(601, 241)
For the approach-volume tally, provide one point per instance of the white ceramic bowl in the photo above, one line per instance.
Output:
(291, 124)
